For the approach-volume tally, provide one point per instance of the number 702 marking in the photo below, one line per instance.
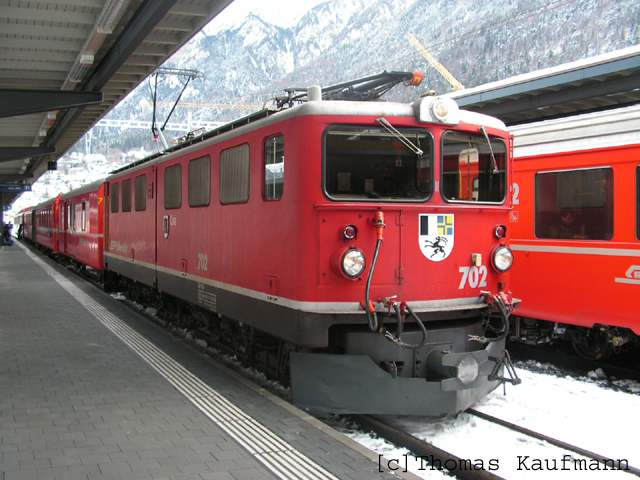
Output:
(202, 261)
(476, 276)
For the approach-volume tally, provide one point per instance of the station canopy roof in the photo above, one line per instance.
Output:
(598, 83)
(65, 63)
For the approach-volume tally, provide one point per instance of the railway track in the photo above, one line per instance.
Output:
(435, 458)
(552, 441)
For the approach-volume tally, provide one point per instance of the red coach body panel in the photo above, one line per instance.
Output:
(580, 281)
(81, 225)
(27, 218)
(45, 218)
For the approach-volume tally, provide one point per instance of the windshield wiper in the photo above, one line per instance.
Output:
(493, 158)
(385, 123)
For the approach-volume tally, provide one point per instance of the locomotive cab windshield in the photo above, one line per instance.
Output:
(365, 163)
(473, 170)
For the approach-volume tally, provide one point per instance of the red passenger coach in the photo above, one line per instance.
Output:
(576, 230)
(81, 225)
(44, 226)
(368, 238)
(25, 219)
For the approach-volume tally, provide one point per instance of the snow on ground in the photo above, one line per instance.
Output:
(584, 412)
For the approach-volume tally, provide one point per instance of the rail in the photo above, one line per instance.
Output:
(461, 468)
(551, 440)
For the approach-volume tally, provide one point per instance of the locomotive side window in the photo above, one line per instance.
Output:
(126, 195)
(200, 182)
(369, 163)
(173, 187)
(115, 197)
(141, 193)
(575, 204)
(234, 175)
(472, 169)
(274, 168)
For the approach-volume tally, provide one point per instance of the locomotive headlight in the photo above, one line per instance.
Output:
(502, 259)
(440, 109)
(445, 110)
(437, 109)
(353, 263)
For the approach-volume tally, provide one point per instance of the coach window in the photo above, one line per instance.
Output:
(373, 164)
(575, 204)
(274, 168)
(115, 197)
(126, 195)
(141, 193)
(173, 187)
(234, 175)
(473, 170)
(200, 182)
(84, 216)
(71, 216)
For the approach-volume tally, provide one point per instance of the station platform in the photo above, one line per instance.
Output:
(90, 389)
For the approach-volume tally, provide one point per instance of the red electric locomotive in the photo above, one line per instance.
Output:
(576, 230)
(376, 253)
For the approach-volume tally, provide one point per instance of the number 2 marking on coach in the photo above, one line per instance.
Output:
(477, 277)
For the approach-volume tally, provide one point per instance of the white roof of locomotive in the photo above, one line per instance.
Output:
(608, 128)
(387, 109)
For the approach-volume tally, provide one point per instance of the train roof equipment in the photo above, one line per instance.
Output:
(366, 92)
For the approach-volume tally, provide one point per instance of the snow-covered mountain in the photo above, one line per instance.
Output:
(255, 48)
(337, 40)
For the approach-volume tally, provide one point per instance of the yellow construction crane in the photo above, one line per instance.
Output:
(438, 66)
